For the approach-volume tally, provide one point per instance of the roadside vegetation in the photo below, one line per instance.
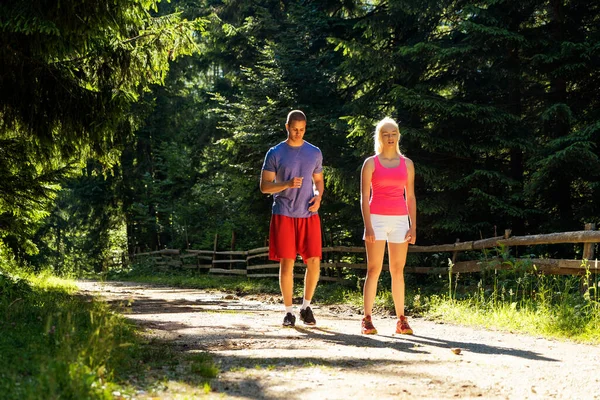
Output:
(57, 344)
(519, 299)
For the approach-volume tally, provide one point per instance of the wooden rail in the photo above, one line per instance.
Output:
(254, 263)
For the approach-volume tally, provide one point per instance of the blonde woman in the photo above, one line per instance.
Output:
(389, 210)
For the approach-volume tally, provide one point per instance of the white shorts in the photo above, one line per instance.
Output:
(392, 228)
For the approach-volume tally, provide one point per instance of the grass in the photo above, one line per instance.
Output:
(522, 300)
(556, 321)
(55, 344)
(202, 364)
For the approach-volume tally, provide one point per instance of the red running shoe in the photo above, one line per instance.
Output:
(403, 327)
(367, 326)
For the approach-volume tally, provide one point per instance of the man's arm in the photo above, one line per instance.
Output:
(315, 202)
(269, 186)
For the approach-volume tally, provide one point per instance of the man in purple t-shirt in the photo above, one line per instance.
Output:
(293, 173)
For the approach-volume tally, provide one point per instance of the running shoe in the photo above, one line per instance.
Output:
(403, 327)
(289, 320)
(367, 326)
(307, 316)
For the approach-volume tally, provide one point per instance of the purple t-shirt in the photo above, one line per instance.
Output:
(288, 162)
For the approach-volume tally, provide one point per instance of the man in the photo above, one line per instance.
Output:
(295, 224)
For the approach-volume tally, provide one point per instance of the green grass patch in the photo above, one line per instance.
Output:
(202, 364)
(56, 344)
(559, 321)
(522, 300)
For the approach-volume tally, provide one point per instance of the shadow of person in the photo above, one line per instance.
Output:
(473, 347)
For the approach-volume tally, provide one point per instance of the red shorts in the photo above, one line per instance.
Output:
(291, 236)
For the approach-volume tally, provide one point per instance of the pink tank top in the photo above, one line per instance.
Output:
(387, 189)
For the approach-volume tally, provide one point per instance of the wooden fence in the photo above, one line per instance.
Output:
(255, 264)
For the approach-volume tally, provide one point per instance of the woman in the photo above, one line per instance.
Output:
(389, 210)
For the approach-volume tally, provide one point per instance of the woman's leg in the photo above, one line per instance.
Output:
(375, 252)
(397, 256)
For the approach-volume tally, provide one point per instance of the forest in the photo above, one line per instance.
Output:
(138, 125)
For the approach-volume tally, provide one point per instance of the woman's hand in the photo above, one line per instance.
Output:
(411, 235)
(369, 235)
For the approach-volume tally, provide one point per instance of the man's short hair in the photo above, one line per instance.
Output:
(295, 115)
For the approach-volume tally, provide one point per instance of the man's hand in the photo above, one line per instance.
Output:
(295, 183)
(315, 203)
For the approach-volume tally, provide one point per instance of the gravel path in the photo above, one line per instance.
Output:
(259, 359)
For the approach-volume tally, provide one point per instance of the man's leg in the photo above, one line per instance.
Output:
(311, 277)
(282, 247)
(311, 247)
(286, 283)
(310, 243)
(286, 280)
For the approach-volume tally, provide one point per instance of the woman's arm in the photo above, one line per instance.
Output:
(365, 193)
(411, 202)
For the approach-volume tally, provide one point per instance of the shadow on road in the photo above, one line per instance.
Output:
(475, 347)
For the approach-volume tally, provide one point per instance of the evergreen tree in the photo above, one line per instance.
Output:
(465, 82)
(70, 71)
(294, 67)
(565, 168)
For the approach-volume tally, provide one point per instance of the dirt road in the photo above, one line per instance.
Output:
(259, 359)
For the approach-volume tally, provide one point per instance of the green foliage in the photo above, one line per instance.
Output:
(466, 82)
(93, 66)
(295, 68)
(55, 345)
(67, 84)
(203, 365)
(496, 102)
(522, 299)
(86, 204)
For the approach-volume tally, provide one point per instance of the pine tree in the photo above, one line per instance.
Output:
(465, 82)
(70, 71)
(565, 168)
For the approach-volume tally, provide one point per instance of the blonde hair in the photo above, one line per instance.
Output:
(379, 140)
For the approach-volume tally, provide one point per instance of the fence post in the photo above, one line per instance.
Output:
(232, 248)
(507, 233)
(214, 251)
(455, 253)
(588, 248)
